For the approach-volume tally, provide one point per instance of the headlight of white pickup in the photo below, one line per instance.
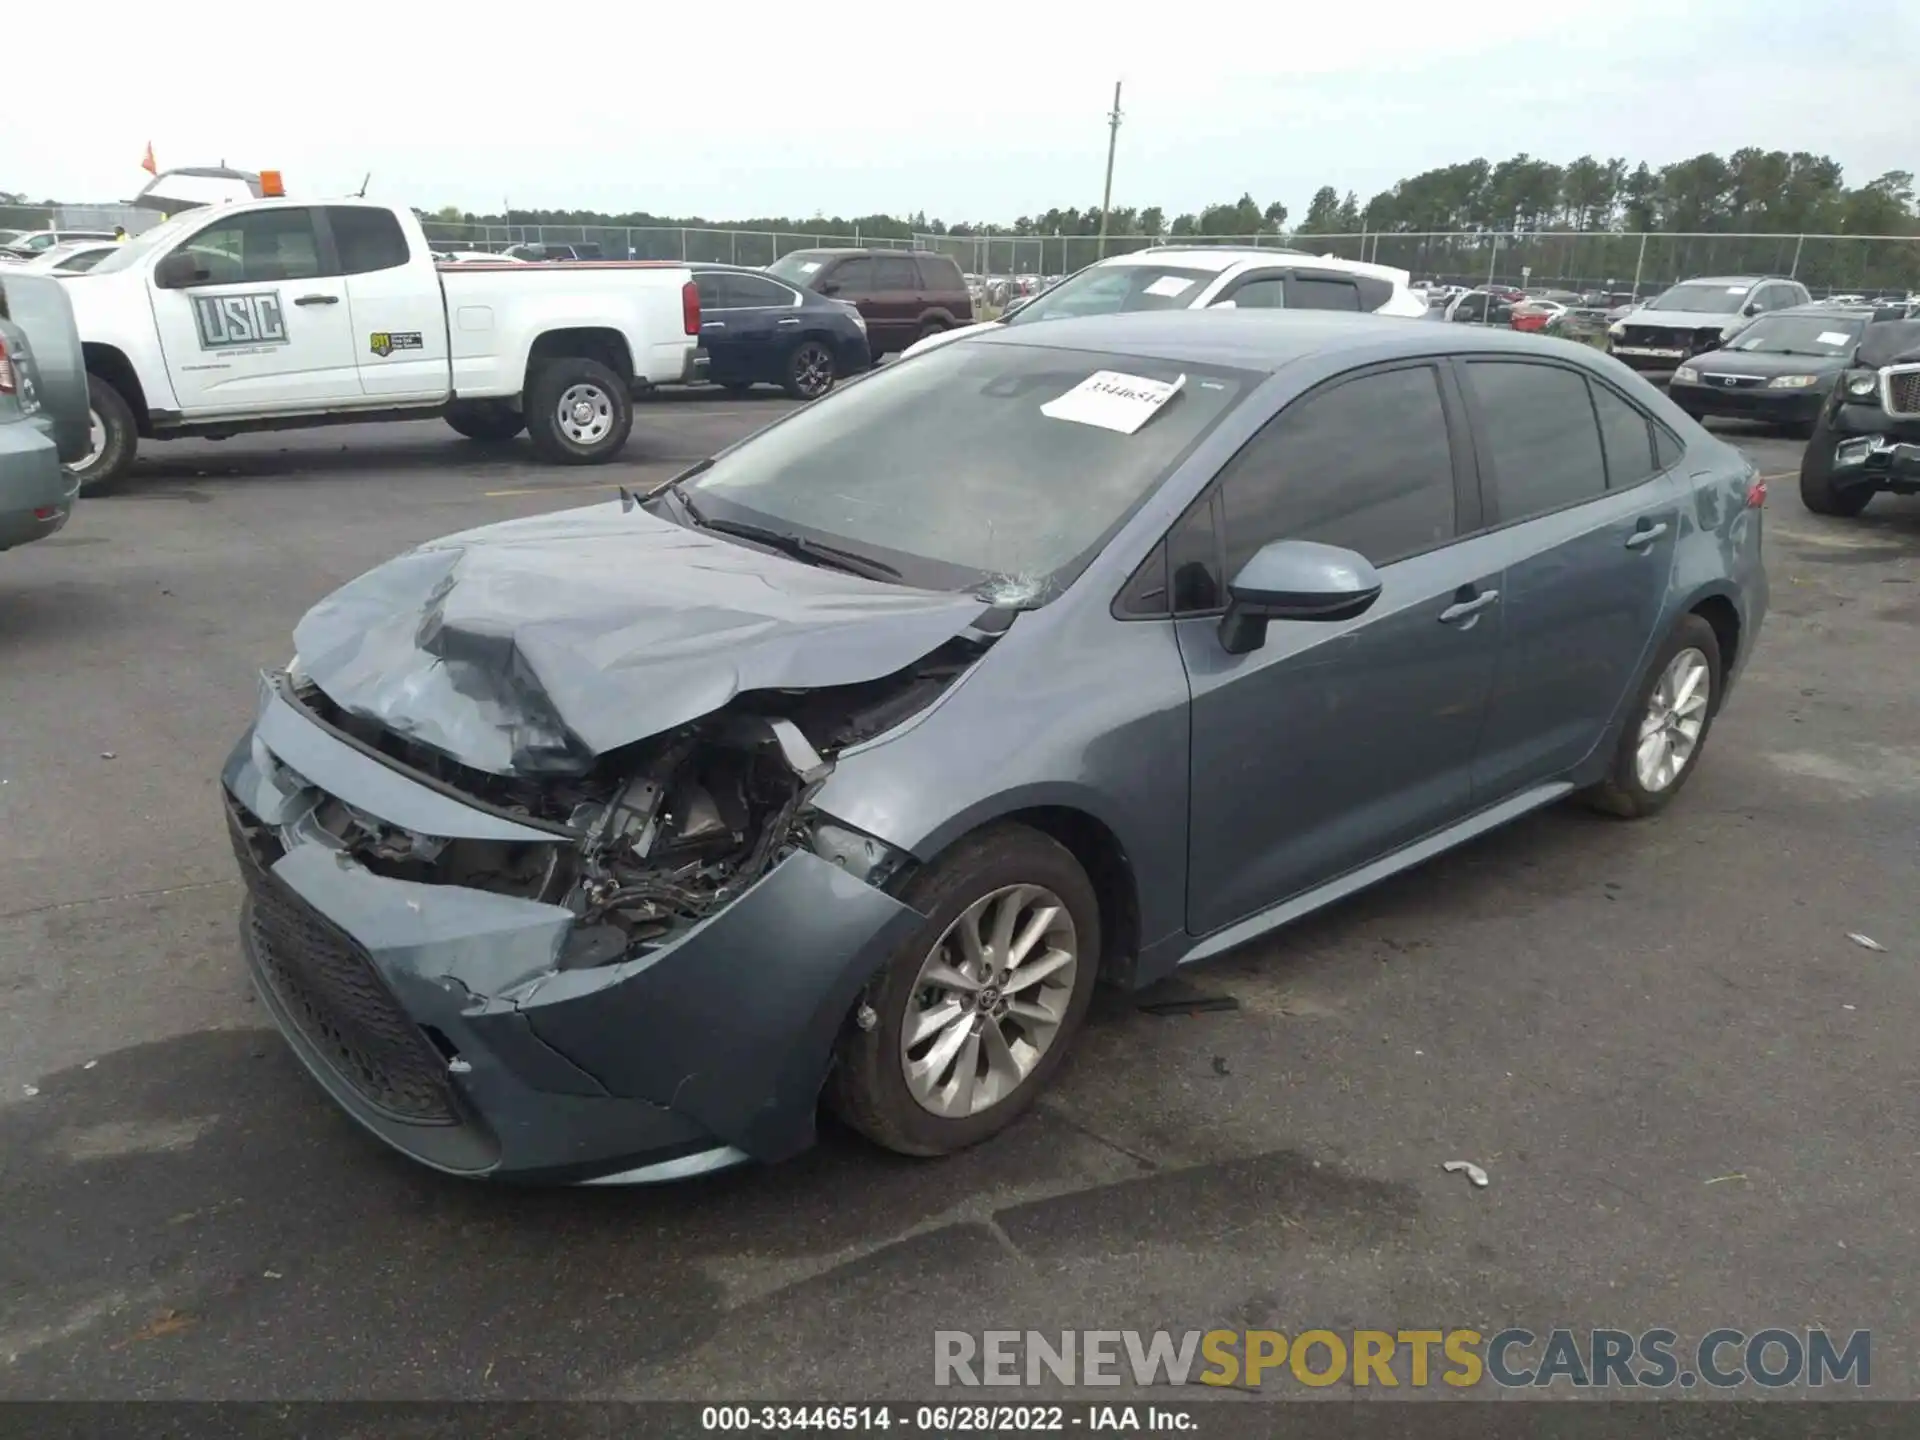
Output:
(1862, 384)
(1687, 375)
(295, 675)
(1617, 329)
(1793, 382)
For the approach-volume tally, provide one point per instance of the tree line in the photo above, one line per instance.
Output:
(1771, 192)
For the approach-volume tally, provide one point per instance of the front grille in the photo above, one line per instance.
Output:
(329, 986)
(1655, 337)
(1903, 392)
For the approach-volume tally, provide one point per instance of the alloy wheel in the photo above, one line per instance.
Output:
(812, 370)
(585, 414)
(1676, 714)
(989, 1001)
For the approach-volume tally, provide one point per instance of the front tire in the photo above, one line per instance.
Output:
(1667, 727)
(811, 370)
(116, 437)
(1817, 490)
(578, 411)
(491, 421)
(975, 1013)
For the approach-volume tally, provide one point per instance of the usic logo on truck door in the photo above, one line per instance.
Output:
(228, 320)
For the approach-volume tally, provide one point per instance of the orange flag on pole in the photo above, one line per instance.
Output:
(147, 164)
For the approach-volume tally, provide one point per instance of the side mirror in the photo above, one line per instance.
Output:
(1295, 580)
(830, 287)
(1224, 305)
(1014, 307)
(177, 271)
(1750, 308)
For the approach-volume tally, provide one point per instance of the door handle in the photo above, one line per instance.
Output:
(791, 320)
(1640, 539)
(1467, 609)
(318, 300)
(713, 325)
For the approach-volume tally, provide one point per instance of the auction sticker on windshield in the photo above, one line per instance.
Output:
(1170, 285)
(1833, 337)
(1113, 401)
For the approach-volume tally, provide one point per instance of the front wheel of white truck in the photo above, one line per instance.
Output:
(578, 411)
(115, 437)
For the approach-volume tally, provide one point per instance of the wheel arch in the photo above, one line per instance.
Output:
(111, 364)
(1093, 841)
(601, 343)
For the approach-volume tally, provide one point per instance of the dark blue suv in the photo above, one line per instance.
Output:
(757, 330)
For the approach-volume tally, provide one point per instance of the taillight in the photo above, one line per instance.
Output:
(690, 307)
(1756, 494)
(6, 370)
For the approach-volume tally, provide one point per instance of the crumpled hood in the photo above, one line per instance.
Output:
(531, 646)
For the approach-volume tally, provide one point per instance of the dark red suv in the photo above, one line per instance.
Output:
(902, 294)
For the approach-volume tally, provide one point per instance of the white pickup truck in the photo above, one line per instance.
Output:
(282, 314)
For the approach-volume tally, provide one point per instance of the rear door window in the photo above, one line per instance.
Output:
(751, 292)
(1626, 437)
(1266, 293)
(1543, 443)
(895, 272)
(937, 272)
(854, 277)
(1322, 292)
(367, 239)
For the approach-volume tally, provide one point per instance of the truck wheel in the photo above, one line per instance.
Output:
(116, 435)
(578, 411)
(488, 420)
(1817, 490)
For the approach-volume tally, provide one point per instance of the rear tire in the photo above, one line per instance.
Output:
(491, 421)
(116, 439)
(1817, 491)
(1002, 865)
(811, 370)
(578, 411)
(1657, 728)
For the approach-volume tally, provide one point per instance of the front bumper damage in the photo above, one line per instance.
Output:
(1875, 450)
(480, 1032)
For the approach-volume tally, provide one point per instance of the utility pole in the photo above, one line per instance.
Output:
(1106, 196)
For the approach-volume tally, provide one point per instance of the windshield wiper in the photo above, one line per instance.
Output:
(800, 547)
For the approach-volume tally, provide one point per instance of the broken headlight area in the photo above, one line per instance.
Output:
(660, 834)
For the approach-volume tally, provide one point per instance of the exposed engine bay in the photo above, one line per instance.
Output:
(658, 834)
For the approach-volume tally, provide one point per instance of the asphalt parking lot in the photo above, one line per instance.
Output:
(1694, 1094)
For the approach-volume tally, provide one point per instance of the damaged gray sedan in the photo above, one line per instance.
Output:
(604, 846)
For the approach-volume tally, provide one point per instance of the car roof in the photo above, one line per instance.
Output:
(1266, 340)
(1203, 257)
(1726, 280)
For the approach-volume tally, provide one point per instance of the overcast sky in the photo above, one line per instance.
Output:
(963, 111)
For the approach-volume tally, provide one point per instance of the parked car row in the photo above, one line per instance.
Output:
(1207, 277)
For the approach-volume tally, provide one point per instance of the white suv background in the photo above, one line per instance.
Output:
(1203, 277)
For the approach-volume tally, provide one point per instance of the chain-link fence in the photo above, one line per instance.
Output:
(1571, 260)
(1590, 260)
(77, 217)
